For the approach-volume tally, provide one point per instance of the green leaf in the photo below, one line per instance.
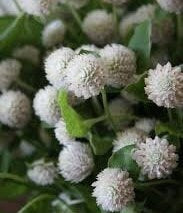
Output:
(100, 145)
(75, 124)
(5, 161)
(123, 159)
(141, 44)
(40, 204)
(137, 88)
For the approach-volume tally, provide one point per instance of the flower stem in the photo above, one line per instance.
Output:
(75, 15)
(94, 121)
(25, 86)
(170, 115)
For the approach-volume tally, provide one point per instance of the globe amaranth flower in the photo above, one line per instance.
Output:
(62, 135)
(38, 7)
(56, 64)
(76, 162)
(128, 137)
(156, 158)
(164, 86)
(42, 172)
(175, 6)
(99, 26)
(9, 72)
(116, 2)
(53, 33)
(15, 109)
(75, 3)
(85, 75)
(45, 105)
(113, 189)
(28, 53)
(87, 47)
(121, 64)
(145, 124)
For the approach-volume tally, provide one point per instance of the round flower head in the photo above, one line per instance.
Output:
(26, 148)
(38, 7)
(61, 133)
(145, 124)
(42, 173)
(128, 137)
(75, 3)
(121, 64)
(99, 26)
(156, 157)
(76, 162)
(45, 105)
(116, 2)
(164, 86)
(9, 71)
(85, 75)
(53, 33)
(28, 53)
(87, 47)
(113, 189)
(56, 64)
(15, 109)
(175, 6)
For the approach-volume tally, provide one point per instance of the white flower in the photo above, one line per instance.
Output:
(9, 71)
(145, 124)
(26, 148)
(27, 52)
(38, 7)
(15, 109)
(56, 64)
(62, 135)
(85, 75)
(175, 6)
(116, 2)
(121, 64)
(42, 173)
(87, 47)
(8, 7)
(75, 3)
(156, 157)
(76, 162)
(164, 86)
(128, 137)
(53, 33)
(45, 105)
(141, 14)
(113, 189)
(99, 26)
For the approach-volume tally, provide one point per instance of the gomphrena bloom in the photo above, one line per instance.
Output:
(145, 124)
(99, 26)
(113, 189)
(53, 33)
(76, 162)
(85, 75)
(175, 6)
(61, 133)
(28, 53)
(42, 172)
(15, 109)
(128, 137)
(75, 3)
(87, 47)
(56, 64)
(156, 158)
(38, 7)
(164, 86)
(121, 64)
(9, 72)
(45, 105)
(116, 2)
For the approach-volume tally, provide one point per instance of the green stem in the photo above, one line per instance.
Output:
(25, 86)
(106, 109)
(93, 121)
(96, 105)
(170, 115)
(115, 17)
(18, 6)
(75, 15)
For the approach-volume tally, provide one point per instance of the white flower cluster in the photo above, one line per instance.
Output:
(175, 6)
(156, 157)
(76, 162)
(99, 26)
(113, 189)
(42, 172)
(9, 72)
(164, 86)
(15, 109)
